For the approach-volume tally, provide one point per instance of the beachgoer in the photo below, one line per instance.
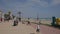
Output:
(38, 28)
(0, 19)
(23, 22)
(15, 22)
(28, 21)
(19, 19)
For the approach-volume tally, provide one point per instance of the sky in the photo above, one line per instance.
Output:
(32, 8)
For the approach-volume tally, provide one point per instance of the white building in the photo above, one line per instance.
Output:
(1, 16)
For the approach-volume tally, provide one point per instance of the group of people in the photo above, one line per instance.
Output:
(16, 20)
(19, 19)
(28, 22)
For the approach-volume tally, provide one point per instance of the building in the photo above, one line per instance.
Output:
(1, 16)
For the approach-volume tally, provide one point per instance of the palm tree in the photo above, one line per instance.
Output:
(9, 13)
(13, 16)
(6, 16)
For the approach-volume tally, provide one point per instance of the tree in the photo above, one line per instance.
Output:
(6, 16)
(9, 12)
(10, 16)
(13, 16)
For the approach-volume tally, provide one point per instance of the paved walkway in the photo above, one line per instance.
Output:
(7, 28)
(47, 30)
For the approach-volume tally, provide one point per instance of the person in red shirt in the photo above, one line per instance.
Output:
(0, 19)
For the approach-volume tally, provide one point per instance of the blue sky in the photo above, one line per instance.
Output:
(30, 8)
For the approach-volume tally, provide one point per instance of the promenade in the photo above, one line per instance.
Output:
(8, 28)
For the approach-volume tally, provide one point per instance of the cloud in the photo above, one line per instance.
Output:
(26, 6)
(41, 3)
(55, 2)
(27, 3)
(44, 4)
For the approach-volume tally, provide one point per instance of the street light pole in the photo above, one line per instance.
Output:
(37, 16)
(19, 16)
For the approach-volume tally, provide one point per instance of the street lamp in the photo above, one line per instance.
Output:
(19, 16)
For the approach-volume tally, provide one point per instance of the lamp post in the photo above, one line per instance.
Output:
(38, 18)
(19, 16)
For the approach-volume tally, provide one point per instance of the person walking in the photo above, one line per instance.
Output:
(0, 20)
(23, 22)
(28, 21)
(15, 22)
(38, 28)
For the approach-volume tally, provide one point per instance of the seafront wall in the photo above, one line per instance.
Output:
(43, 21)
